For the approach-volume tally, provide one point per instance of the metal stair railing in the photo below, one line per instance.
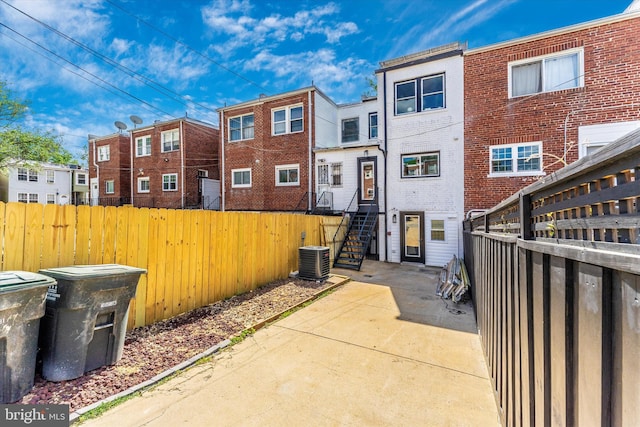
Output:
(342, 224)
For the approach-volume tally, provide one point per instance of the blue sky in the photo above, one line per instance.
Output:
(83, 64)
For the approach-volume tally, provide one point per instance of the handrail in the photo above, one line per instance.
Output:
(335, 254)
(302, 201)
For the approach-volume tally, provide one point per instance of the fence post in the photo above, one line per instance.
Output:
(525, 217)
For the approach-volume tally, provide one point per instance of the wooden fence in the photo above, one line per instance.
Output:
(556, 282)
(192, 257)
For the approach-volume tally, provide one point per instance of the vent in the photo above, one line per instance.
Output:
(313, 262)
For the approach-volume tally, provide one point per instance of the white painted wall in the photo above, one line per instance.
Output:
(61, 187)
(436, 130)
(326, 115)
(592, 137)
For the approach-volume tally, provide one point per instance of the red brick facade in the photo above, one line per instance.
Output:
(115, 169)
(263, 153)
(611, 93)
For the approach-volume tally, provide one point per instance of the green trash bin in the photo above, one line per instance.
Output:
(22, 305)
(86, 318)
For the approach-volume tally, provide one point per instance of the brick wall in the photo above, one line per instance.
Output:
(115, 169)
(611, 93)
(262, 154)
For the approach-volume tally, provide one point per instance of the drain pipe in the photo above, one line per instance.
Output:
(384, 154)
(310, 160)
(221, 171)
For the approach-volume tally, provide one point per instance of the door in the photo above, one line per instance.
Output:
(411, 236)
(95, 194)
(367, 180)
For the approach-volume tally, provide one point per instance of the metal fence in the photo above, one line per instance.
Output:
(556, 282)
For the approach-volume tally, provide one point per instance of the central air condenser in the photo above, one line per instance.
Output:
(313, 262)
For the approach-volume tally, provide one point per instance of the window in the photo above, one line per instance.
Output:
(547, 74)
(143, 146)
(170, 182)
(522, 159)
(287, 175)
(81, 178)
(241, 178)
(103, 153)
(287, 120)
(28, 197)
(143, 185)
(170, 140)
(110, 187)
(437, 229)
(323, 174)
(51, 176)
(25, 174)
(22, 175)
(203, 173)
(420, 165)
(373, 125)
(350, 130)
(241, 128)
(431, 90)
(51, 199)
(336, 174)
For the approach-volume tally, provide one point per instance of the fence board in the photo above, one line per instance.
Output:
(32, 237)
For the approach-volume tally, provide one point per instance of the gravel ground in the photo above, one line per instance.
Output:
(153, 349)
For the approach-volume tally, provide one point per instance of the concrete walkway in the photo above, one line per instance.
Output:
(388, 353)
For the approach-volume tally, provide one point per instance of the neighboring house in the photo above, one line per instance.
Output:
(421, 112)
(171, 164)
(538, 102)
(45, 183)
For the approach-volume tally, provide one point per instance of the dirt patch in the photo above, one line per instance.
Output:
(152, 349)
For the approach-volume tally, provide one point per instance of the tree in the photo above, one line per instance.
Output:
(22, 146)
(372, 82)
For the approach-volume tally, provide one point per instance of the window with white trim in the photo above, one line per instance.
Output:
(104, 153)
(241, 127)
(336, 174)
(563, 70)
(28, 197)
(350, 130)
(51, 199)
(170, 140)
(421, 94)
(81, 178)
(421, 165)
(25, 174)
(144, 184)
(323, 174)
(437, 230)
(287, 120)
(373, 125)
(143, 146)
(170, 182)
(241, 178)
(109, 187)
(51, 176)
(516, 159)
(288, 175)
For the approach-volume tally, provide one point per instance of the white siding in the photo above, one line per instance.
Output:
(593, 136)
(61, 186)
(326, 114)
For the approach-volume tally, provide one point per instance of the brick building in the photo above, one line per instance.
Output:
(171, 164)
(538, 102)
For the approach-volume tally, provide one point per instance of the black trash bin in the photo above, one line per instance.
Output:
(86, 318)
(22, 304)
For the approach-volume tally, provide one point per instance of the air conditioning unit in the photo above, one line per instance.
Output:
(313, 262)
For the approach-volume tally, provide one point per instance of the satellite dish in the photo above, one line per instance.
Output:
(136, 120)
(120, 125)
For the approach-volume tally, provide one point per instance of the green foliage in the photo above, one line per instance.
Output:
(372, 82)
(10, 108)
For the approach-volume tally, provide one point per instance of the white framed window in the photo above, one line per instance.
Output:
(241, 127)
(241, 178)
(28, 197)
(143, 146)
(421, 165)
(109, 187)
(336, 174)
(25, 174)
(51, 176)
(203, 173)
(350, 129)
(373, 125)
(323, 174)
(287, 120)
(437, 230)
(422, 94)
(144, 184)
(51, 199)
(170, 182)
(170, 140)
(288, 175)
(81, 178)
(104, 153)
(516, 159)
(562, 70)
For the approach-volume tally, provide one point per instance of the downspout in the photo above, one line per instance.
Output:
(310, 166)
(386, 206)
(222, 172)
(95, 163)
(131, 167)
(182, 164)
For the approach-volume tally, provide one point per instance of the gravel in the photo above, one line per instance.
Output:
(153, 349)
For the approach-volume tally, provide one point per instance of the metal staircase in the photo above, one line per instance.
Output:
(356, 242)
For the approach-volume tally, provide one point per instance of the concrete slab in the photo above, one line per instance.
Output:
(368, 354)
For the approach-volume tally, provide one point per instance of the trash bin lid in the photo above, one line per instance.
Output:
(81, 272)
(12, 280)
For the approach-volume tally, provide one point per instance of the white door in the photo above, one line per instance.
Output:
(95, 193)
